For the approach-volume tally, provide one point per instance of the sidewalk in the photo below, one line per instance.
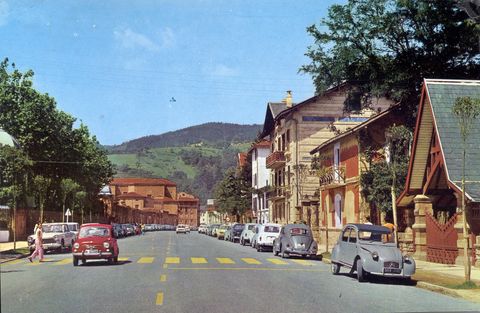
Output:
(7, 253)
(442, 278)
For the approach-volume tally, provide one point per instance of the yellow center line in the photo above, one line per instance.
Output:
(159, 300)
(145, 260)
(225, 261)
(302, 262)
(248, 269)
(163, 277)
(251, 261)
(172, 260)
(199, 260)
(277, 261)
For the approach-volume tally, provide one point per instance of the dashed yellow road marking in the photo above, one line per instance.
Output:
(199, 260)
(172, 260)
(159, 300)
(35, 263)
(277, 261)
(163, 277)
(123, 259)
(145, 260)
(302, 262)
(251, 261)
(225, 261)
(63, 262)
(248, 269)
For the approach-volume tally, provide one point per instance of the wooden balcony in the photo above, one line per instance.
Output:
(276, 159)
(278, 192)
(333, 175)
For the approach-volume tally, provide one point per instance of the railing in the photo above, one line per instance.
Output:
(276, 159)
(278, 192)
(332, 175)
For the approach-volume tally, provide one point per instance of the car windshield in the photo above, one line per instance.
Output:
(271, 229)
(298, 231)
(375, 236)
(52, 228)
(93, 232)
(72, 227)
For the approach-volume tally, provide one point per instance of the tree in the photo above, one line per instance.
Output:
(68, 189)
(232, 194)
(466, 110)
(387, 47)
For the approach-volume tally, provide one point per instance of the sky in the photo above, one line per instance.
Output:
(128, 69)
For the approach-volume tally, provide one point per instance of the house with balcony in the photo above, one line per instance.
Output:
(188, 209)
(341, 162)
(258, 154)
(294, 130)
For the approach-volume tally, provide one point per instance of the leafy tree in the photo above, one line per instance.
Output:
(387, 47)
(232, 194)
(466, 110)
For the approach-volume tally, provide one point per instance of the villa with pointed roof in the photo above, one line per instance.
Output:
(433, 187)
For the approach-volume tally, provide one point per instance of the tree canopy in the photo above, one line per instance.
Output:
(233, 194)
(52, 148)
(387, 47)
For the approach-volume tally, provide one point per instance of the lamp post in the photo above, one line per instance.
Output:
(8, 140)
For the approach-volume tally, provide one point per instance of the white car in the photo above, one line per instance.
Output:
(181, 229)
(265, 235)
(247, 234)
(202, 229)
(56, 236)
(74, 227)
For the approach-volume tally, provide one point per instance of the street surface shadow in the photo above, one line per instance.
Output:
(103, 263)
(382, 280)
(297, 257)
(12, 271)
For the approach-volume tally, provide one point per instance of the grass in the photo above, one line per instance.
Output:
(465, 285)
(443, 280)
(24, 251)
(326, 254)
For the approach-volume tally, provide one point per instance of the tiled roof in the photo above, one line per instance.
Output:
(142, 181)
(443, 94)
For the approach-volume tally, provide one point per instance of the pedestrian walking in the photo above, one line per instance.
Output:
(38, 244)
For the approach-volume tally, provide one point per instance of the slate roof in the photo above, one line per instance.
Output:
(442, 95)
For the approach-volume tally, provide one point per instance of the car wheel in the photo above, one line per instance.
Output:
(115, 259)
(242, 242)
(83, 261)
(75, 261)
(110, 261)
(275, 252)
(361, 274)
(71, 246)
(335, 267)
(284, 254)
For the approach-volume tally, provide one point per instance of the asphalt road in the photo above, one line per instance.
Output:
(166, 272)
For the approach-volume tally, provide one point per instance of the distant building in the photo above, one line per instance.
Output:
(188, 209)
(260, 180)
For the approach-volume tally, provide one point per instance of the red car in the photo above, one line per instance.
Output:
(95, 241)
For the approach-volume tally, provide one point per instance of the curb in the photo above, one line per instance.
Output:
(6, 260)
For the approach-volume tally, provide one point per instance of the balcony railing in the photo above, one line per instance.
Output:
(278, 192)
(276, 159)
(332, 175)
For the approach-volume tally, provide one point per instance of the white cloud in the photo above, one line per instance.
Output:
(223, 70)
(167, 37)
(132, 40)
(4, 12)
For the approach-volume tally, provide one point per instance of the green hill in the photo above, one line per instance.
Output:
(211, 134)
(196, 165)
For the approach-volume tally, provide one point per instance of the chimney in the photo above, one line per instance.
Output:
(288, 99)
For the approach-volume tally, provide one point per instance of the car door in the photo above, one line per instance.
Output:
(351, 246)
(68, 235)
(343, 246)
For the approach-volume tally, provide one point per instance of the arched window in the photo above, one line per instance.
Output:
(338, 210)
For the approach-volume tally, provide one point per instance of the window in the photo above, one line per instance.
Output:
(353, 236)
(346, 234)
(318, 119)
(338, 210)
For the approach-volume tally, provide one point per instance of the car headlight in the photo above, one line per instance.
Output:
(407, 259)
(76, 245)
(375, 255)
(106, 245)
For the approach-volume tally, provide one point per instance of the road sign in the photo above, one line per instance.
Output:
(68, 213)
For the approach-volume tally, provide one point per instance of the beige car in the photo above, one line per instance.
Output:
(56, 236)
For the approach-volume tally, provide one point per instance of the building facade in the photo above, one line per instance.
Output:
(188, 209)
(258, 154)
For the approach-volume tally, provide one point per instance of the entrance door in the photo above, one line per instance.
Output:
(338, 210)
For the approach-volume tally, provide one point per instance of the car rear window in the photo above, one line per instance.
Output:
(271, 229)
(52, 228)
(251, 227)
(93, 232)
(298, 231)
(236, 227)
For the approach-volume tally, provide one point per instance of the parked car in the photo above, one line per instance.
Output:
(130, 230)
(181, 229)
(118, 231)
(295, 239)
(95, 241)
(202, 229)
(227, 235)
(213, 232)
(56, 236)
(369, 249)
(247, 233)
(187, 227)
(265, 236)
(220, 232)
(74, 227)
(235, 232)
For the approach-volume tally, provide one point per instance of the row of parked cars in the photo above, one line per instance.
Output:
(286, 240)
(362, 248)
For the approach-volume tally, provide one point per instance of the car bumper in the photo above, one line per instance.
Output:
(47, 246)
(96, 255)
(302, 252)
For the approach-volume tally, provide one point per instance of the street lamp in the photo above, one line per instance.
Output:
(8, 140)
